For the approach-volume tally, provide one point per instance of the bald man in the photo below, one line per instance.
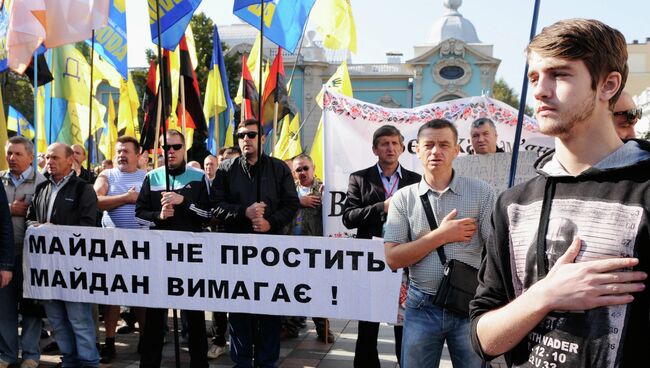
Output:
(626, 116)
(66, 199)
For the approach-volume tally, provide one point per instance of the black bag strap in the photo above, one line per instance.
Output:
(432, 224)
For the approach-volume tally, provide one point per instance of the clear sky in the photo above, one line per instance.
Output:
(390, 25)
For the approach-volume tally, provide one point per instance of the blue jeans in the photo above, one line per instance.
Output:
(427, 327)
(260, 330)
(74, 332)
(29, 339)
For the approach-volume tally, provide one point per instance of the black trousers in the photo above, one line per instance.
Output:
(365, 351)
(154, 334)
(219, 327)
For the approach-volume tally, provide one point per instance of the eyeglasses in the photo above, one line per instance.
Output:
(250, 135)
(176, 147)
(301, 169)
(630, 115)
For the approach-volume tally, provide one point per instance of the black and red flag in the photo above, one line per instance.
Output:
(275, 90)
(251, 99)
(150, 103)
(44, 74)
(194, 117)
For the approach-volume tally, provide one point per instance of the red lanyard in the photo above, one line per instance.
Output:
(392, 190)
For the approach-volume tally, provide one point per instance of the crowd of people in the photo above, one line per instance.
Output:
(557, 287)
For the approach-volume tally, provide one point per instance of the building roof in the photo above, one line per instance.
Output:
(453, 25)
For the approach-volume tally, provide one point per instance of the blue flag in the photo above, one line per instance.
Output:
(4, 25)
(175, 15)
(283, 20)
(18, 123)
(111, 41)
(218, 107)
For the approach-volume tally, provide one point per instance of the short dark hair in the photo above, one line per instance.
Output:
(386, 131)
(602, 48)
(439, 124)
(221, 150)
(17, 139)
(482, 121)
(247, 123)
(174, 132)
(235, 149)
(128, 139)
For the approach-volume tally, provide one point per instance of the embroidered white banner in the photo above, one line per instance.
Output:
(350, 123)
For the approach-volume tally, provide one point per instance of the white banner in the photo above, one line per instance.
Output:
(265, 274)
(349, 125)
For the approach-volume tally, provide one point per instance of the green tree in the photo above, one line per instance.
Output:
(503, 92)
(18, 92)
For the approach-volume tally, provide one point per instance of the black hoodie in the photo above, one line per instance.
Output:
(608, 207)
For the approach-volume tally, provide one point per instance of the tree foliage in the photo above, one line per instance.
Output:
(18, 92)
(503, 92)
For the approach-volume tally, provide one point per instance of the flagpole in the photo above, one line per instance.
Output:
(260, 115)
(216, 115)
(35, 112)
(183, 119)
(157, 134)
(90, 110)
(522, 104)
(163, 83)
(275, 125)
(50, 56)
(295, 62)
(300, 127)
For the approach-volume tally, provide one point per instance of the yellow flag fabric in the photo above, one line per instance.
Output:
(16, 122)
(316, 152)
(109, 135)
(127, 111)
(288, 145)
(72, 83)
(334, 21)
(105, 71)
(41, 142)
(3, 136)
(340, 83)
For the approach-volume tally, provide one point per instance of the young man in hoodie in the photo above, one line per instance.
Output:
(563, 283)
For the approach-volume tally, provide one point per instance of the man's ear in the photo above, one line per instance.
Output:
(610, 86)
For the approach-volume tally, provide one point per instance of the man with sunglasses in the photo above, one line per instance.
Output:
(180, 208)
(235, 203)
(626, 116)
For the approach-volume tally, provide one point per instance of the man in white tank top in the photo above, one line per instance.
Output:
(117, 191)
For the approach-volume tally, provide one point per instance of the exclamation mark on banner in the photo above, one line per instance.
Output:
(334, 290)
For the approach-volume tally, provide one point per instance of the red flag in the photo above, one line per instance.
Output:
(251, 97)
(194, 117)
(275, 90)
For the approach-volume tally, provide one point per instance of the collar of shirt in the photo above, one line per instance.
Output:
(424, 187)
(23, 176)
(390, 184)
(63, 181)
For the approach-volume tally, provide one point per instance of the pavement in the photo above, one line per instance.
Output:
(303, 351)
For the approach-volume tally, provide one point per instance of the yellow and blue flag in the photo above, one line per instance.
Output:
(284, 20)
(16, 122)
(217, 105)
(175, 15)
(111, 41)
(4, 25)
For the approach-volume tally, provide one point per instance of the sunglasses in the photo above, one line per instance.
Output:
(176, 147)
(631, 115)
(250, 135)
(301, 169)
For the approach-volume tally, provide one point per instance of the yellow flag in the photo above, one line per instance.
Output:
(288, 146)
(253, 63)
(3, 136)
(105, 71)
(334, 21)
(109, 136)
(127, 111)
(338, 82)
(316, 152)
